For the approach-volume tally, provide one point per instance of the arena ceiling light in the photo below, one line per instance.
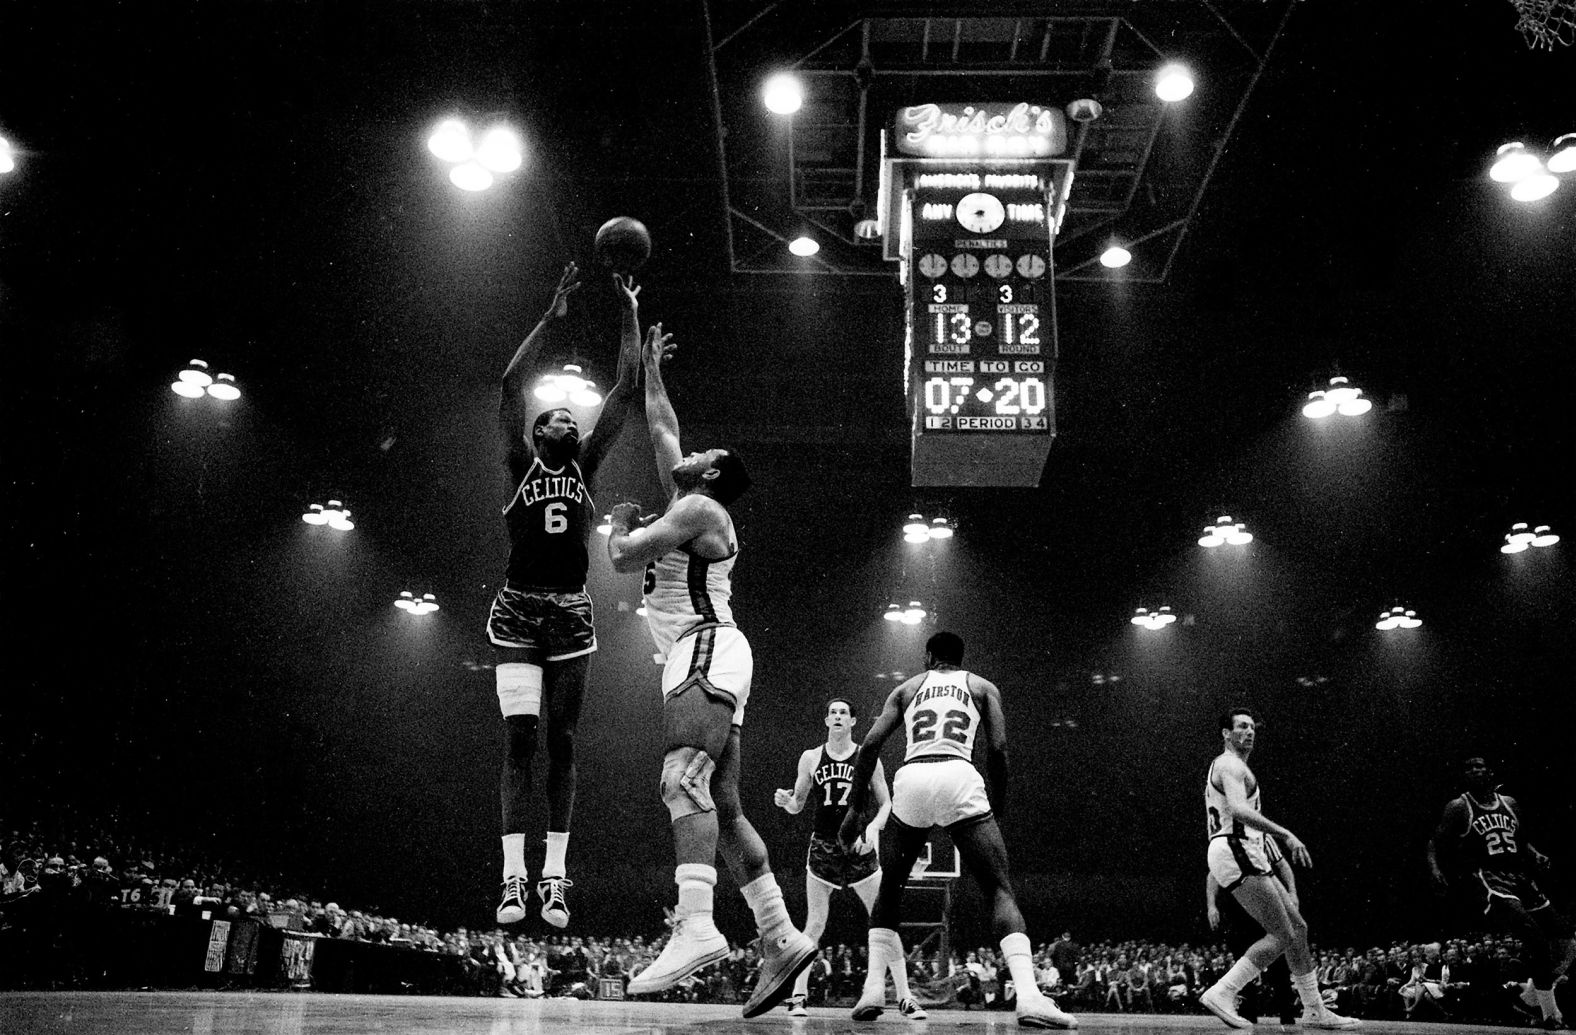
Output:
(1173, 83)
(917, 530)
(606, 525)
(783, 94)
(412, 604)
(1530, 178)
(195, 382)
(913, 614)
(804, 246)
(570, 385)
(7, 159)
(1398, 617)
(1519, 538)
(1115, 257)
(334, 514)
(1563, 160)
(1225, 532)
(474, 163)
(1341, 397)
(1157, 619)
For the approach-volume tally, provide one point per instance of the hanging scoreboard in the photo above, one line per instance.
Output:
(977, 207)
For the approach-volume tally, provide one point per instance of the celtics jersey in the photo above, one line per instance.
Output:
(942, 717)
(1491, 841)
(834, 786)
(550, 516)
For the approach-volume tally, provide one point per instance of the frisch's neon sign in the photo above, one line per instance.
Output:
(981, 131)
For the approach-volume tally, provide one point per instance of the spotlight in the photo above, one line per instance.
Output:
(915, 530)
(940, 528)
(804, 246)
(1534, 186)
(1513, 162)
(1519, 538)
(1159, 618)
(422, 605)
(470, 177)
(867, 229)
(451, 141)
(1225, 531)
(194, 382)
(1115, 257)
(894, 613)
(606, 527)
(499, 151)
(782, 94)
(1398, 617)
(570, 385)
(914, 613)
(1563, 160)
(334, 514)
(7, 159)
(1173, 83)
(1341, 397)
(223, 387)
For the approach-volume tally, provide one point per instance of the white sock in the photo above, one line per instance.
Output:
(880, 941)
(514, 856)
(1307, 986)
(696, 883)
(1551, 1009)
(766, 902)
(1015, 948)
(898, 965)
(557, 844)
(1237, 978)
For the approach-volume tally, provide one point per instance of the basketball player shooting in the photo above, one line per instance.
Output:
(541, 624)
(1238, 862)
(826, 774)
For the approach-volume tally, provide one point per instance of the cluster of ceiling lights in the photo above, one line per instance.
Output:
(913, 614)
(1532, 176)
(1341, 397)
(1519, 538)
(334, 514)
(918, 530)
(783, 94)
(1398, 617)
(195, 382)
(569, 385)
(7, 159)
(412, 604)
(1225, 532)
(1154, 620)
(475, 164)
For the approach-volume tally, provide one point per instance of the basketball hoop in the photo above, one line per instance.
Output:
(1543, 23)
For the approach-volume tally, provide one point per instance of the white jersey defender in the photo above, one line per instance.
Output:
(941, 721)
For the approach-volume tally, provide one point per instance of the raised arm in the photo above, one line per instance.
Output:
(615, 408)
(869, 756)
(511, 404)
(995, 742)
(660, 418)
(792, 802)
(630, 546)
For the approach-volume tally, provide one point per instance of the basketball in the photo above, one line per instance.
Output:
(623, 243)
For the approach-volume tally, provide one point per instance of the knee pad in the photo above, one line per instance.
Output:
(686, 783)
(519, 688)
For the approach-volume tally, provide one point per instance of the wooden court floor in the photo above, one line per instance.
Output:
(288, 1013)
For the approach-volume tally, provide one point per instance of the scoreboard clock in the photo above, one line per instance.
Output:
(981, 328)
(975, 192)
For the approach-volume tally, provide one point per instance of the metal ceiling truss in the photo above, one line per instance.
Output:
(1142, 168)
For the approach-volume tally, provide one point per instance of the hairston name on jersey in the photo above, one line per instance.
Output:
(553, 486)
(930, 693)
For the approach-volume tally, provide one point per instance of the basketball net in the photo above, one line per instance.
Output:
(1543, 23)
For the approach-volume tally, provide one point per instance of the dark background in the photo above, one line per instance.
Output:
(247, 182)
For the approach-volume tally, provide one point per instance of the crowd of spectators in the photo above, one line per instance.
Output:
(1473, 980)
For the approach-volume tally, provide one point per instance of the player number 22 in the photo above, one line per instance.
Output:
(956, 727)
(553, 518)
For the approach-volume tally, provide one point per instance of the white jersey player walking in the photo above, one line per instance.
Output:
(943, 711)
(1238, 862)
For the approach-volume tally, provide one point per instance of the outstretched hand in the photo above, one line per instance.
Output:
(627, 290)
(568, 284)
(659, 347)
(627, 514)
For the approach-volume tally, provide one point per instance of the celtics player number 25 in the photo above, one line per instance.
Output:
(955, 728)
